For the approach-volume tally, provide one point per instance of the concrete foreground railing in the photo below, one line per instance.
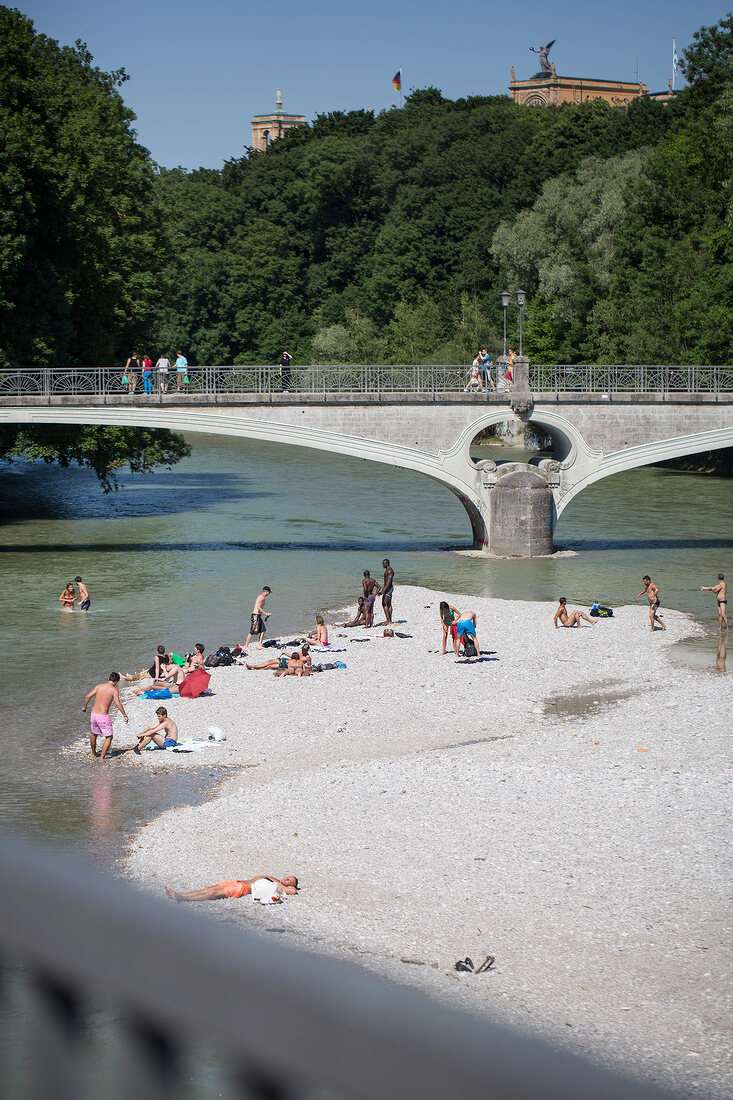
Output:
(286, 1023)
(210, 381)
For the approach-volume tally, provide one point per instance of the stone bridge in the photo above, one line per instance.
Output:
(513, 508)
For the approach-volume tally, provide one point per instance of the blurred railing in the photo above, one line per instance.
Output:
(106, 383)
(275, 1023)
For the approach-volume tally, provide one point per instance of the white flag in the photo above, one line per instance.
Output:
(674, 60)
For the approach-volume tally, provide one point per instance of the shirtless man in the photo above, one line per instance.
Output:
(721, 591)
(653, 593)
(387, 590)
(164, 733)
(259, 615)
(84, 599)
(372, 589)
(360, 617)
(101, 723)
(573, 619)
(195, 659)
(237, 888)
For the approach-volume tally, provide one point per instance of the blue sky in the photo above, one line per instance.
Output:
(200, 71)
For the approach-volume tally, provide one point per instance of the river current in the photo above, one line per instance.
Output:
(179, 556)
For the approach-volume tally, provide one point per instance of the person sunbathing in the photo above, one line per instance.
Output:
(159, 685)
(359, 620)
(573, 619)
(299, 664)
(320, 634)
(237, 888)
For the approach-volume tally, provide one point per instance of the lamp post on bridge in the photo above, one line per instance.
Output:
(505, 296)
(521, 299)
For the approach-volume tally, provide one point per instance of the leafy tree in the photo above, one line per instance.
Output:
(81, 243)
(102, 449)
(708, 63)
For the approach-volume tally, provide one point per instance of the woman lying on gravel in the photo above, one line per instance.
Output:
(240, 888)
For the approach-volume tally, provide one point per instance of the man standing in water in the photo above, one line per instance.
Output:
(721, 591)
(259, 615)
(106, 695)
(84, 600)
(653, 594)
(387, 590)
(372, 589)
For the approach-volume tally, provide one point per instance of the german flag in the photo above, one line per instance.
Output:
(397, 80)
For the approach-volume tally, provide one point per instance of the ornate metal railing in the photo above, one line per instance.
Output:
(273, 1022)
(105, 383)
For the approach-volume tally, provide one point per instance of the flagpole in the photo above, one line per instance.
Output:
(400, 87)
(674, 60)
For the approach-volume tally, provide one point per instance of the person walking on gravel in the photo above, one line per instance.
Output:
(653, 594)
(257, 626)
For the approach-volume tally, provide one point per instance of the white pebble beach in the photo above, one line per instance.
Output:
(563, 806)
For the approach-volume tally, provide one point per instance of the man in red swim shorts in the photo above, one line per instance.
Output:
(106, 695)
(236, 888)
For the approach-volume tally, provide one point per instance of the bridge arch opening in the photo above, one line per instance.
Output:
(514, 440)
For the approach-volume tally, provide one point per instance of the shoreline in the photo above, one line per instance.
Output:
(558, 806)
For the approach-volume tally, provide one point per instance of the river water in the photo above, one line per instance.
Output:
(179, 556)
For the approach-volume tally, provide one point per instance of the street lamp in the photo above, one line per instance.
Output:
(505, 296)
(521, 299)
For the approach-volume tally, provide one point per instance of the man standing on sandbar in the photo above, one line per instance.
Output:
(372, 589)
(259, 615)
(721, 591)
(387, 590)
(653, 594)
(106, 695)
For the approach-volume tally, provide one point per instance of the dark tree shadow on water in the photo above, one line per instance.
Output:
(644, 544)
(331, 546)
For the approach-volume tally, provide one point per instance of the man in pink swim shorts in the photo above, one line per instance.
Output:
(101, 726)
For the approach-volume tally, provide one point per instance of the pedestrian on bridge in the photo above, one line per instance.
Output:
(285, 361)
(163, 367)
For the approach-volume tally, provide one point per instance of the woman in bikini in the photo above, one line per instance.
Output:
(449, 616)
(68, 598)
(320, 634)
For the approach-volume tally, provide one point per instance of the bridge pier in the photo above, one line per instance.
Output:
(521, 513)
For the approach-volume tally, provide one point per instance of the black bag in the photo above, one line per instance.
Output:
(469, 647)
(212, 661)
(601, 612)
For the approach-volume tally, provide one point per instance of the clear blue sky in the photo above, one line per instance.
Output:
(200, 69)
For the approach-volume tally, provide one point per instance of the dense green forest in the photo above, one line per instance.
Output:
(367, 238)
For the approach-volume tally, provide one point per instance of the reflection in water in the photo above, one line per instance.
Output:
(720, 656)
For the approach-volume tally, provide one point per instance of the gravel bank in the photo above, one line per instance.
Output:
(564, 806)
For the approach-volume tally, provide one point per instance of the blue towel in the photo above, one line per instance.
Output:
(158, 693)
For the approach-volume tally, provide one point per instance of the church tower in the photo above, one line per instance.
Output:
(267, 128)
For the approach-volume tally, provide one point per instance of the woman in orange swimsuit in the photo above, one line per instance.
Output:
(236, 888)
(68, 597)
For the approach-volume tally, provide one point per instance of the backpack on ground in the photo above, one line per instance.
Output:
(598, 611)
(212, 661)
(469, 647)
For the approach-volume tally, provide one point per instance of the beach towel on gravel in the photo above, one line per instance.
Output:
(194, 684)
(157, 693)
(265, 892)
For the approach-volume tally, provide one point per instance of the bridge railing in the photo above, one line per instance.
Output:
(282, 1023)
(211, 381)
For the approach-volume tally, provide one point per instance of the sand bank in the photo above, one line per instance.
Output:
(564, 806)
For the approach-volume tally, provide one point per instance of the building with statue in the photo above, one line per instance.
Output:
(547, 89)
(267, 128)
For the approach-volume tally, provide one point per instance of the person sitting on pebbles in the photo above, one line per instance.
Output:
(573, 619)
(360, 617)
(164, 733)
(260, 887)
(320, 634)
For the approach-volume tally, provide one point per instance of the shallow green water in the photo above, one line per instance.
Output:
(179, 557)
